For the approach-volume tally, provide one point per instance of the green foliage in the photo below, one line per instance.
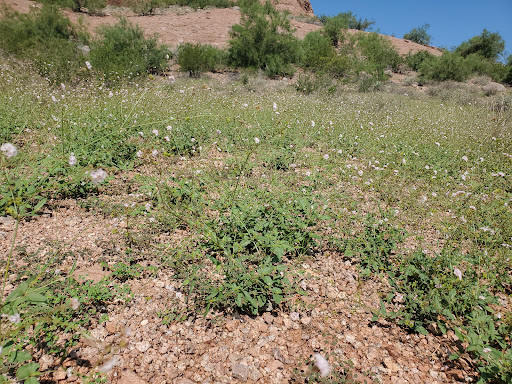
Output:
(46, 37)
(264, 228)
(198, 58)
(419, 35)
(334, 25)
(508, 76)
(449, 66)
(375, 247)
(415, 60)
(122, 50)
(92, 6)
(378, 54)
(246, 287)
(147, 7)
(316, 50)
(263, 40)
(488, 45)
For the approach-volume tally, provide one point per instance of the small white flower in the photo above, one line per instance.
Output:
(139, 153)
(155, 132)
(481, 297)
(457, 272)
(110, 94)
(326, 157)
(465, 158)
(308, 173)
(109, 364)
(167, 138)
(88, 65)
(295, 316)
(98, 176)
(154, 153)
(486, 350)
(360, 172)
(15, 318)
(9, 150)
(147, 206)
(274, 106)
(54, 99)
(172, 79)
(256, 140)
(322, 364)
(193, 140)
(72, 159)
(182, 91)
(312, 123)
(74, 303)
(141, 134)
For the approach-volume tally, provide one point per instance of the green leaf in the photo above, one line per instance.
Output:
(19, 291)
(454, 356)
(27, 370)
(268, 280)
(17, 356)
(40, 204)
(36, 297)
(277, 298)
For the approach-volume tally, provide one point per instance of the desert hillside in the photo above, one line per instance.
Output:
(176, 25)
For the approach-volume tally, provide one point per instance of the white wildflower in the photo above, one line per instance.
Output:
(88, 65)
(141, 134)
(172, 79)
(274, 106)
(72, 159)
(326, 157)
(110, 94)
(457, 272)
(481, 297)
(147, 206)
(109, 364)
(155, 132)
(15, 318)
(465, 158)
(139, 153)
(74, 303)
(9, 150)
(322, 364)
(256, 140)
(167, 138)
(154, 153)
(295, 316)
(486, 350)
(98, 176)
(312, 123)
(360, 172)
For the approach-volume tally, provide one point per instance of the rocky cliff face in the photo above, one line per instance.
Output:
(295, 7)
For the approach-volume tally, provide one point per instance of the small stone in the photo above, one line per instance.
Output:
(59, 374)
(391, 365)
(268, 318)
(142, 346)
(130, 377)
(231, 325)
(305, 321)
(184, 380)
(144, 322)
(241, 372)
(455, 374)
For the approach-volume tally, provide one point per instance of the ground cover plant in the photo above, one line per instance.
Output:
(217, 204)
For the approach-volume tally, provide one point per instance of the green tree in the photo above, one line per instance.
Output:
(316, 49)
(263, 40)
(419, 35)
(508, 76)
(334, 25)
(488, 45)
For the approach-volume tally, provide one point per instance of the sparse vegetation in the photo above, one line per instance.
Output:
(148, 210)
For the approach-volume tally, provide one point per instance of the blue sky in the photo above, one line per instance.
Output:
(451, 22)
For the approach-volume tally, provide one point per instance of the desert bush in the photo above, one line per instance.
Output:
(378, 53)
(263, 40)
(198, 58)
(449, 66)
(122, 50)
(92, 6)
(46, 37)
(488, 45)
(334, 25)
(316, 50)
(414, 61)
(419, 35)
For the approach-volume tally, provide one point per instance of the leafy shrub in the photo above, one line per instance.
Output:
(334, 25)
(488, 45)
(419, 35)
(316, 50)
(92, 6)
(46, 37)
(263, 40)
(449, 66)
(268, 228)
(122, 50)
(198, 58)
(414, 61)
(379, 54)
